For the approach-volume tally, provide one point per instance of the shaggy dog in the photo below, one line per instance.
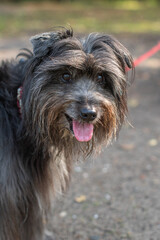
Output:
(62, 102)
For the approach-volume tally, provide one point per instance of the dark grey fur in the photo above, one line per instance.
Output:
(37, 148)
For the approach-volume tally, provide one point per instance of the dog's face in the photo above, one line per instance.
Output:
(77, 88)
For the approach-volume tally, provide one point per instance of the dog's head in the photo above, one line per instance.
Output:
(76, 89)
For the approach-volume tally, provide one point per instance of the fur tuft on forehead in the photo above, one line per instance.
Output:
(43, 42)
(62, 42)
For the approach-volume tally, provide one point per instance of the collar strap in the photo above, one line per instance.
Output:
(19, 99)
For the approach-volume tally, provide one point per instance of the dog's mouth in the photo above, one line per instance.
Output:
(82, 131)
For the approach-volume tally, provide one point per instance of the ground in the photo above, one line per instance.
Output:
(116, 195)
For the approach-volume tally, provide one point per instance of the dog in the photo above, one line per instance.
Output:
(61, 102)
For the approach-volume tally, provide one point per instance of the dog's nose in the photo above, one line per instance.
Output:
(88, 114)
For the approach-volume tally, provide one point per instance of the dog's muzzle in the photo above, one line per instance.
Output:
(82, 128)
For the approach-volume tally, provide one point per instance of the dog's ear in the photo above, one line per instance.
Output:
(96, 40)
(42, 43)
(120, 51)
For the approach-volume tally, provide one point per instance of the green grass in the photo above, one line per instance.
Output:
(84, 16)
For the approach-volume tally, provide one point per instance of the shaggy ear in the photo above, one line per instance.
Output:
(96, 40)
(43, 42)
(120, 51)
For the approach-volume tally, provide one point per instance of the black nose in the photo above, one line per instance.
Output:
(88, 114)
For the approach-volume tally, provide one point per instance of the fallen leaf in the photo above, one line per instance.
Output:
(127, 147)
(81, 199)
(152, 142)
(133, 103)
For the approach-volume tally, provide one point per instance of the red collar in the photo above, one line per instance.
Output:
(19, 99)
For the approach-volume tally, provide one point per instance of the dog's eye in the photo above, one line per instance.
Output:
(100, 79)
(66, 77)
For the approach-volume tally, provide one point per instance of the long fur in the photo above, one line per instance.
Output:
(37, 148)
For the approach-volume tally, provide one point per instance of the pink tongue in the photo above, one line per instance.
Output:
(82, 131)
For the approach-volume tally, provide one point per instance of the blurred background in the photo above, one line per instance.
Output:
(116, 196)
(25, 16)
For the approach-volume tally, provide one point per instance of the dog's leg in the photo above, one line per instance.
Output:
(8, 222)
(32, 228)
(15, 225)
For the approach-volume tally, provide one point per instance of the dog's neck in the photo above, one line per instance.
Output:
(19, 99)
